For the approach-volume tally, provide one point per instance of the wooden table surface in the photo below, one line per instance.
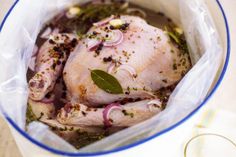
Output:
(8, 147)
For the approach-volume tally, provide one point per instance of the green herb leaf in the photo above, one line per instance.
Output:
(30, 116)
(177, 37)
(106, 82)
(172, 35)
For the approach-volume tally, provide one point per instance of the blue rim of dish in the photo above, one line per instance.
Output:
(23, 133)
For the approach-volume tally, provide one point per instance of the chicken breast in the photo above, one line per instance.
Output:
(143, 61)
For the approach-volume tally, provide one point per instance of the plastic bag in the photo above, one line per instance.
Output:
(17, 40)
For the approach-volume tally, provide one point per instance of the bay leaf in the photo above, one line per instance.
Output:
(106, 82)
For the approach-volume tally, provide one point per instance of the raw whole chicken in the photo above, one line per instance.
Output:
(144, 62)
(141, 57)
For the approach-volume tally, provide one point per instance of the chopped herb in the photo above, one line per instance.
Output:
(174, 66)
(175, 38)
(71, 129)
(84, 138)
(128, 91)
(178, 38)
(84, 113)
(165, 80)
(91, 13)
(128, 113)
(30, 116)
(107, 59)
(135, 89)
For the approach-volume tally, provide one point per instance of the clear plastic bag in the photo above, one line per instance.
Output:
(17, 40)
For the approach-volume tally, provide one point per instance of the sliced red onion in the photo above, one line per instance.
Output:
(46, 33)
(32, 63)
(111, 67)
(103, 22)
(49, 32)
(93, 43)
(107, 111)
(48, 100)
(55, 31)
(130, 10)
(129, 69)
(35, 51)
(116, 38)
(154, 105)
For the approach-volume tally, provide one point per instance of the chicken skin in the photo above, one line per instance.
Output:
(143, 62)
(141, 57)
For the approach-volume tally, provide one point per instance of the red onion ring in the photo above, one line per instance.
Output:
(93, 43)
(48, 100)
(129, 69)
(32, 63)
(103, 22)
(46, 33)
(156, 102)
(106, 112)
(33, 59)
(59, 16)
(117, 38)
(111, 67)
(55, 31)
(35, 51)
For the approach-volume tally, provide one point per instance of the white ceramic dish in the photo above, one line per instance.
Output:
(30, 147)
